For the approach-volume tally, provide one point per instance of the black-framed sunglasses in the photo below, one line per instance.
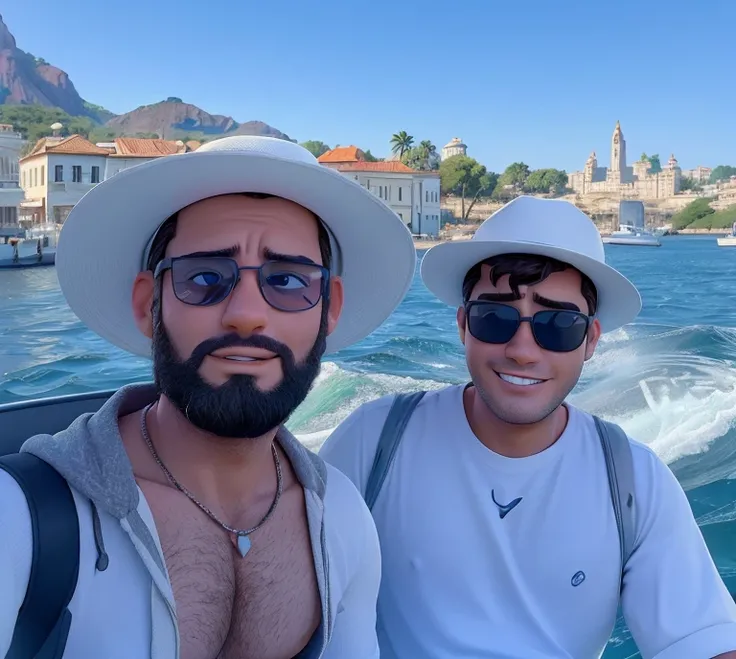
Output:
(557, 330)
(286, 285)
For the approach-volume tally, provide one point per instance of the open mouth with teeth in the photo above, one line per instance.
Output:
(521, 382)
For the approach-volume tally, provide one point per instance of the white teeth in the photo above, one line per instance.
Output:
(240, 358)
(512, 379)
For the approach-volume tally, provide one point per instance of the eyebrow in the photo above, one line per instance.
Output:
(269, 255)
(539, 299)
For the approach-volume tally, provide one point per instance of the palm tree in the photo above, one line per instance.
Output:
(401, 142)
(427, 150)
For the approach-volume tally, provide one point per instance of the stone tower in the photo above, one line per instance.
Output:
(618, 153)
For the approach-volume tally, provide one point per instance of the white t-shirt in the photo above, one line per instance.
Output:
(541, 582)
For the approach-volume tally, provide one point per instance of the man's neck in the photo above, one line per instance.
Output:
(509, 439)
(229, 474)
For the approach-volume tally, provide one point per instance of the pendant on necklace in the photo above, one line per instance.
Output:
(243, 544)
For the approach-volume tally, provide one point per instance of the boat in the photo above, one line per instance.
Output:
(628, 234)
(23, 419)
(631, 227)
(34, 247)
(728, 240)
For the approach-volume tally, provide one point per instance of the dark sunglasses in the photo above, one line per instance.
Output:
(285, 285)
(555, 330)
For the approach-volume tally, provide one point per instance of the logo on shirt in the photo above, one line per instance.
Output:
(505, 509)
(577, 579)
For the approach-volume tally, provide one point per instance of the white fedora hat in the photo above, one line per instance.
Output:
(102, 243)
(546, 227)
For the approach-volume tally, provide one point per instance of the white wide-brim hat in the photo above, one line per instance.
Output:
(546, 227)
(103, 241)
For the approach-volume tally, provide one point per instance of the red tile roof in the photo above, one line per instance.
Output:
(342, 154)
(72, 145)
(388, 166)
(139, 147)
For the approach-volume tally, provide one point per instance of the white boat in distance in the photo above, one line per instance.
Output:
(631, 227)
(631, 235)
(728, 240)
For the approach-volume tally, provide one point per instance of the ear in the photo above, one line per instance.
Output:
(337, 297)
(143, 289)
(461, 319)
(594, 333)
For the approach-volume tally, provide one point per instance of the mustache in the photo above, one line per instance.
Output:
(208, 346)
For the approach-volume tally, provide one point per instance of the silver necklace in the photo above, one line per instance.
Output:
(242, 541)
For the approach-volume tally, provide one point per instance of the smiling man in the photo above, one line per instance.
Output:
(495, 515)
(206, 529)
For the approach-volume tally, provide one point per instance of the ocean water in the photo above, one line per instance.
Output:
(668, 378)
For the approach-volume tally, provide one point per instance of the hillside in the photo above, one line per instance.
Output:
(171, 115)
(175, 119)
(29, 80)
(35, 94)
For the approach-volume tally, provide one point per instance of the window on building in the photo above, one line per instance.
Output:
(380, 192)
(385, 193)
(76, 173)
(43, 175)
(426, 196)
(95, 174)
(399, 194)
(58, 173)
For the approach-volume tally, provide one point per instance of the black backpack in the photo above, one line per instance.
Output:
(44, 618)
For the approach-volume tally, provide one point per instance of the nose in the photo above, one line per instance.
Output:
(246, 311)
(522, 348)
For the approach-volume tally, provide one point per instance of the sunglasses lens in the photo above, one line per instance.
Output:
(203, 281)
(560, 331)
(292, 286)
(491, 322)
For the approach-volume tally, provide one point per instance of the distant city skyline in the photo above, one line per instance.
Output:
(538, 83)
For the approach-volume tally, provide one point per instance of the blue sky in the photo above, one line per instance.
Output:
(538, 81)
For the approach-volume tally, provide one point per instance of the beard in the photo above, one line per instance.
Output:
(237, 408)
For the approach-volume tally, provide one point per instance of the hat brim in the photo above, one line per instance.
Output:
(444, 267)
(102, 242)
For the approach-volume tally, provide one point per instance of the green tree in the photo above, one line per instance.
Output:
(315, 147)
(369, 157)
(466, 178)
(401, 142)
(654, 165)
(551, 181)
(690, 184)
(694, 211)
(512, 181)
(722, 173)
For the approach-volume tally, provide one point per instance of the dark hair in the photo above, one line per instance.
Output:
(167, 231)
(526, 269)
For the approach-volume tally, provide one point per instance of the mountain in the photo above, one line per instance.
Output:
(29, 80)
(174, 119)
(34, 90)
(171, 114)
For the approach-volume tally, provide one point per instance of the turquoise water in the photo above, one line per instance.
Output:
(669, 378)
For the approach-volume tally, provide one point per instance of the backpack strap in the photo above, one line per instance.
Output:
(393, 429)
(43, 622)
(620, 468)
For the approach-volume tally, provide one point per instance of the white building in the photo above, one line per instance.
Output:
(59, 171)
(413, 195)
(11, 194)
(454, 147)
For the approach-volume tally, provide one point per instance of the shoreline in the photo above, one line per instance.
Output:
(426, 244)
